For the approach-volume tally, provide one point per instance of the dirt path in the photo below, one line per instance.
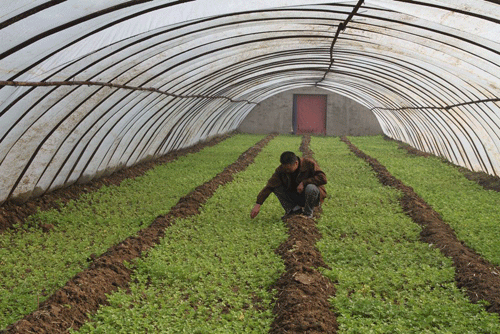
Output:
(480, 278)
(84, 293)
(302, 305)
(12, 213)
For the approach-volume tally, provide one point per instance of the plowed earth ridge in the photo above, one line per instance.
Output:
(479, 277)
(85, 292)
(302, 291)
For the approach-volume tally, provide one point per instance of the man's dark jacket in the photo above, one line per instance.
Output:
(307, 172)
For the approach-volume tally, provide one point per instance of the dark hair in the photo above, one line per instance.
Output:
(288, 158)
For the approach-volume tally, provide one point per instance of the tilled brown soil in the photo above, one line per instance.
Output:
(302, 305)
(480, 278)
(84, 293)
(12, 213)
(302, 291)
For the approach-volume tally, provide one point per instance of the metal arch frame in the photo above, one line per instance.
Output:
(3, 111)
(40, 146)
(363, 77)
(380, 74)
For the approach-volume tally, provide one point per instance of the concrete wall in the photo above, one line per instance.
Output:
(343, 115)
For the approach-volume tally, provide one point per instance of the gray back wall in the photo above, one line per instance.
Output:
(343, 115)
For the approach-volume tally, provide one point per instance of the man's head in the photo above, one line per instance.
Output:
(289, 161)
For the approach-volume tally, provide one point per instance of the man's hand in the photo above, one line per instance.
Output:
(300, 187)
(255, 211)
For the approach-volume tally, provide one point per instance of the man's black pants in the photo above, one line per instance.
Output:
(308, 199)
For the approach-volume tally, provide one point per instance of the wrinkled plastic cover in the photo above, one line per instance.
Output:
(89, 87)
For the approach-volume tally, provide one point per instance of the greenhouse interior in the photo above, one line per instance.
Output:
(139, 140)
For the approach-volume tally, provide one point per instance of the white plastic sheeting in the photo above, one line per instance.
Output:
(91, 86)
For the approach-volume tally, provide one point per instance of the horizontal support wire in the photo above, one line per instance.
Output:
(107, 84)
(341, 27)
(439, 108)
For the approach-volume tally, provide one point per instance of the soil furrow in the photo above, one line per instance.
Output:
(480, 278)
(302, 291)
(12, 213)
(84, 293)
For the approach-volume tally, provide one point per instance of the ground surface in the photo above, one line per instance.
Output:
(68, 307)
(479, 277)
(302, 305)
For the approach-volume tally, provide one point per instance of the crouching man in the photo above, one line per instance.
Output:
(298, 183)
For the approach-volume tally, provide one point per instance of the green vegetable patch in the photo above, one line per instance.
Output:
(388, 281)
(34, 264)
(467, 207)
(212, 272)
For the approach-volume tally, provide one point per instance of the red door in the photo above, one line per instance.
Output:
(310, 114)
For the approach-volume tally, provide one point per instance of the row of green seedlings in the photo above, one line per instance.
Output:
(212, 272)
(467, 207)
(388, 281)
(34, 264)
